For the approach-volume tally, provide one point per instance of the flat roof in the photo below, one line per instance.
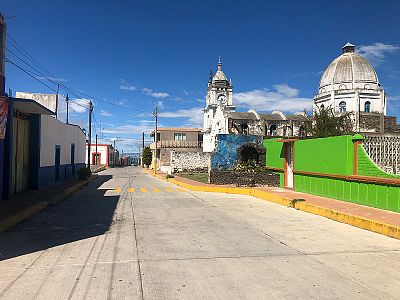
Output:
(177, 129)
(30, 106)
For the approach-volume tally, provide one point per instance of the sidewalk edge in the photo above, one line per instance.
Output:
(29, 211)
(356, 221)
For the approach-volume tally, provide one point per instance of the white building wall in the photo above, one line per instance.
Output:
(52, 133)
(47, 100)
(102, 149)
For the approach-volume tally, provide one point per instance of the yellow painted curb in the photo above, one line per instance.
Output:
(356, 221)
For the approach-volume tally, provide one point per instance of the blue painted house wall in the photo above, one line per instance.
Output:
(224, 156)
(42, 142)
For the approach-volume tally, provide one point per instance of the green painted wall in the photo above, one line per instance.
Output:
(369, 194)
(366, 167)
(274, 153)
(333, 155)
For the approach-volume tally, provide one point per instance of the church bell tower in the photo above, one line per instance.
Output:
(218, 105)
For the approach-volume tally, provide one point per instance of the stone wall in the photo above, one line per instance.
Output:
(391, 125)
(371, 122)
(238, 178)
(189, 161)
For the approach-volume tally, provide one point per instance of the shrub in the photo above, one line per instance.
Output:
(84, 173)
(147, 156)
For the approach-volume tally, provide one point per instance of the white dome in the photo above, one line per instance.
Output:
(348, 71)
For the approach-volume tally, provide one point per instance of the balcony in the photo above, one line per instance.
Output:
(177, 144)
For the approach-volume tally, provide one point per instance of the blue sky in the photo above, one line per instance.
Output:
(140, 53)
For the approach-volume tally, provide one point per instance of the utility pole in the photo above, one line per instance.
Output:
(141, 153)
(115, 156)
(90, 133)
(67, 100)
(140, 159)
(58, 89)
(155, 114)
(96, 151)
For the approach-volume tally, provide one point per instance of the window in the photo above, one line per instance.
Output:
(367, 106)
(245, 128)
(272, 130)
(342, 107)
(179, 136)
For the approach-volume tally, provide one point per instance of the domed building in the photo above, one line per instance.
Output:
(350, 84)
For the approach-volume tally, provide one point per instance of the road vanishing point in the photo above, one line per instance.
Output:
(128, 235)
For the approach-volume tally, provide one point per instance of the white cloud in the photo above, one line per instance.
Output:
(79, 105)
(56, 79)
(126, 86)
(151, 93)
(194, 115)
(283, 98)
(121, 102)
(160, 104)
(130, 129)
(376, 52)
(105, 113)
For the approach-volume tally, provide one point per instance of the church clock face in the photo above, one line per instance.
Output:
(221, 99)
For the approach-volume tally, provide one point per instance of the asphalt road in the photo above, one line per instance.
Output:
(128, 235)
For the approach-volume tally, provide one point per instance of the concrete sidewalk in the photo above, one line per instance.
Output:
(376, 220)
(26, 204)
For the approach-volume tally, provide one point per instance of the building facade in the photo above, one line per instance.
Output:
(219, 103)
(175, 140)
(220, 116)
(102, 155)
(351, 84)
(39, 149)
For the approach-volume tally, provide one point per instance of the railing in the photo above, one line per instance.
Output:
(384, 152)
(177, 144)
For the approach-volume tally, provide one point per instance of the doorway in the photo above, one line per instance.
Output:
(20, 156)
(73, 160)
(57, 162)
(96, 158)
(288, 167)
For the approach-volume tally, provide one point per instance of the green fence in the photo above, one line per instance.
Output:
(325, 167)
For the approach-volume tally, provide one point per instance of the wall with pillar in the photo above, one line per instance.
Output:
(338, 168)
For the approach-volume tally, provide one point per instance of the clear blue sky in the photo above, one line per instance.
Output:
(139, 53)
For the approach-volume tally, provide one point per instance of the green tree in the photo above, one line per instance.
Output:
(147, 156)
(324, 123)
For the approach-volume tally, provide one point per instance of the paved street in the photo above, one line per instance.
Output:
(128, 235)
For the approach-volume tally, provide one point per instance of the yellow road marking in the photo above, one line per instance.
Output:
(157, 190)
(180, 190)
(131, 190)
(168, 190)
(143, 190)
(117, 190)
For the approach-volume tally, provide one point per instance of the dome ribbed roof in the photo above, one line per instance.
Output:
(349, 67)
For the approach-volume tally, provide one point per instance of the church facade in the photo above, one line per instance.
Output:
(220, 116)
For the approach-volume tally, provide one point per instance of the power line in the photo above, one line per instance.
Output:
(63, 86)
(27, 72)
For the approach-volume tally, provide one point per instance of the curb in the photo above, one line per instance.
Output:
(29, 211)
(356, 221)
